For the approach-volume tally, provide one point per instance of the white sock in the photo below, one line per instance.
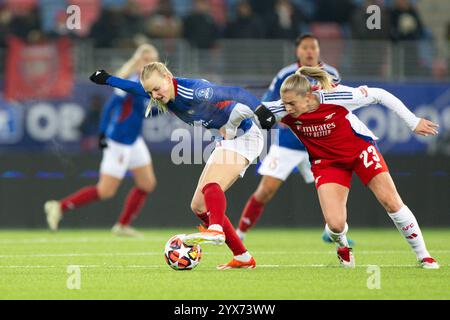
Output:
(407, 224)
(216, 227)
(339, 238)
(241, 234)
(245, 257)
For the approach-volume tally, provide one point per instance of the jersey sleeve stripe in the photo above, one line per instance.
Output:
(338, 94)
(339, 98)
(184, 88)
(185, 92)
(277, 109)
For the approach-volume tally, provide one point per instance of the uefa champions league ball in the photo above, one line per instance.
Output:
(180, 256)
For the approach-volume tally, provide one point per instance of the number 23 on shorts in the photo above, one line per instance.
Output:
(371, 163)
(371, 152)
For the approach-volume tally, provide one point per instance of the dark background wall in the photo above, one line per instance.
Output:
(28, 180)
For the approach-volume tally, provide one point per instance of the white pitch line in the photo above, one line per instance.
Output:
(64, 255)
(155, 253)
(267, 266)
(78, 240)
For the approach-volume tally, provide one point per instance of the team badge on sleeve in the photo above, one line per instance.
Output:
(204, 93)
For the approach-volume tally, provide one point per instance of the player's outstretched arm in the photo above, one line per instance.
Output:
(420, 126)
(104, 78)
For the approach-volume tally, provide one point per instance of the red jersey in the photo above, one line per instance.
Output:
(333, 132)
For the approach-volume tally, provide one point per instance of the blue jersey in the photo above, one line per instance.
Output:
(285, 137)
(199, 101)
(123, 115)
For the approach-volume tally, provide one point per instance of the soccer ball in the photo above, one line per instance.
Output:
(180, 256)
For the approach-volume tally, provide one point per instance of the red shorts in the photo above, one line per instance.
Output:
(366, 165)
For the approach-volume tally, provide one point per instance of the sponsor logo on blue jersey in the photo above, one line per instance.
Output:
(204, 93)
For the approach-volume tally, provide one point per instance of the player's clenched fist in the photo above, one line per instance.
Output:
(99, 77)
(426, 127)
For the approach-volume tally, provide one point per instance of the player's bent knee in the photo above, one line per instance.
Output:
(105, 193)
(336, 225)
(197, 208)
(148, 187)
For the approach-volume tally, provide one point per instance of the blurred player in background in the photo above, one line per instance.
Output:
(339, 144)
(289, 153)
(123, 149)
(228, 109)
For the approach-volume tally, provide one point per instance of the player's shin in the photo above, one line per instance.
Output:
(234, 242)
(80, 198)
(251, 214)
(407, 224)
(133, 205)
(216, 203)
(241, 257)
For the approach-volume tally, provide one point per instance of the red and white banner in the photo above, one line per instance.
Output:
(38, 71)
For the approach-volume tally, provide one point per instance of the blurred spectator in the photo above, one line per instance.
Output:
(219, 12)
(50, 12)
(406, 26)
(164, 23)
(359, 18)
(246, 25)
(134, 22)
(284, 20)
(109, 27)
(334, 11)
(405, 22)
(146, 7)
(26, 24)
(199, 27)
(5, 22)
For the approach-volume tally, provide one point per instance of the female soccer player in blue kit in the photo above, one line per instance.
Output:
(228, 109)
(123, 149)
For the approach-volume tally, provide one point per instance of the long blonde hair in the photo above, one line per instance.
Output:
(300, 84)
(146, 73)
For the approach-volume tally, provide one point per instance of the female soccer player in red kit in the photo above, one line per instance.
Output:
(339, 144)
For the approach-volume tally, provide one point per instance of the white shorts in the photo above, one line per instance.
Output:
(280, 162)
(118, 157)
(249, 145)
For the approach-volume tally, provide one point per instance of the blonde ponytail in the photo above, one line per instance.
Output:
(318, 74)
(299, 83)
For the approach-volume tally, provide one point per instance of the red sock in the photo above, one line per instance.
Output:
(251, 214)
(205, 218)
(80, 198)
(232, 239)
(215, 202)
(133, 205)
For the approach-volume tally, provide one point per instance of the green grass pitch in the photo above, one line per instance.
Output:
(292, 264)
